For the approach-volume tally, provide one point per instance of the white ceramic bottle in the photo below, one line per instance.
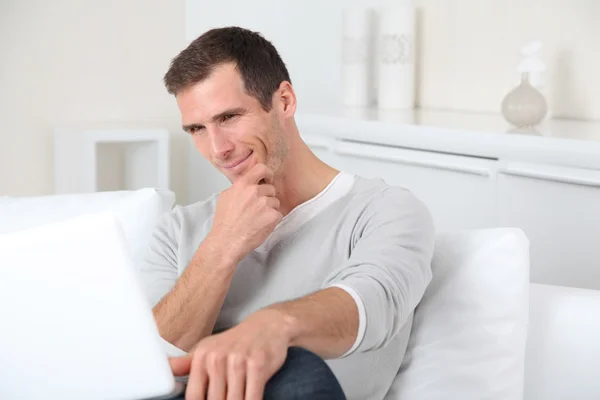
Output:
(396, 58)
(525, 106)
(357, 66)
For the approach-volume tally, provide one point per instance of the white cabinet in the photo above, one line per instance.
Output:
(99, 158)
(559, 210)
(459, 191)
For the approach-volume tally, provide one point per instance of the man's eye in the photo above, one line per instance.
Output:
(195, 130)
(228, 117)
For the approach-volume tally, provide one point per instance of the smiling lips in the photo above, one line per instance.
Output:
(235, 164)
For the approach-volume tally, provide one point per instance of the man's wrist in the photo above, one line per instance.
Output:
(283, 321)
(218, 254)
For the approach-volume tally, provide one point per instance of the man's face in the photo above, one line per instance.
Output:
(229, 127)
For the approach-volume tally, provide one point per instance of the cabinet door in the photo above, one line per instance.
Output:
(459, 191)
(559, 210)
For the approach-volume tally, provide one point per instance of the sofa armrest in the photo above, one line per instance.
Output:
(563, 344)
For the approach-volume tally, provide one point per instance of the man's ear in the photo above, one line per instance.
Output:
(286, 99)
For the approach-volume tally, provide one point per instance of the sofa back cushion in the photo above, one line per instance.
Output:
(137, 211)
(469, 331)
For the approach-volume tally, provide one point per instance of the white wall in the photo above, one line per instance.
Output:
(81, 60)
(66, 61)
(469, 48)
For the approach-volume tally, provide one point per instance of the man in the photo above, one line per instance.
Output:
(296, 262)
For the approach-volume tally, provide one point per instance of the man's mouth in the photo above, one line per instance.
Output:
(238, 162)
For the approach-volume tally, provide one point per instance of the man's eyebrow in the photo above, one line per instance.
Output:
(188, 128)
(234, 111)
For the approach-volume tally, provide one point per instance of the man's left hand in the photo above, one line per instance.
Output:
(236, 364)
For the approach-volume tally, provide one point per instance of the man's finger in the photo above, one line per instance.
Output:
(267, 190)
(274, 203)
(181, 365)
(255, 383)
(259, 173)
(236, 377)
(217, 377)
(198, 381)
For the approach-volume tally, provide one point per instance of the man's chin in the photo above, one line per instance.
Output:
(237, 174)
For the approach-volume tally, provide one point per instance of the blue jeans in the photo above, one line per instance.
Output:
(304, 375)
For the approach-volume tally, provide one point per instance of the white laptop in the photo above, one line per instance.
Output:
(74, 323)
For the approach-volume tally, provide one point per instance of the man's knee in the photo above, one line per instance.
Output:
(304, 375)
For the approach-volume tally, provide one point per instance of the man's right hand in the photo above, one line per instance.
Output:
(246, 213)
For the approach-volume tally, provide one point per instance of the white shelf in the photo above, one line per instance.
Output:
(110, 157)
(562, 142)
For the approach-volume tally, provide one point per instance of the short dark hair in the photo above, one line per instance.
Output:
(256, 59)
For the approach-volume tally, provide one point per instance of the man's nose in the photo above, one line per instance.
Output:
(221, 145)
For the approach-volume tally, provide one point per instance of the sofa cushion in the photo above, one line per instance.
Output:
(137, 211)
(469, 331)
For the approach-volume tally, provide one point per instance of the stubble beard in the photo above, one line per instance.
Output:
(276, 160)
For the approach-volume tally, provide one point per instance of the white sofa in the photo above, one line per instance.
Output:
(559, 348)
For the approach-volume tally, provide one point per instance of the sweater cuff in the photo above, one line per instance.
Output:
(362, 317)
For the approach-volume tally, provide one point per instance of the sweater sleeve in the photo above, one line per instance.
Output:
(158, 270)
(389, 266)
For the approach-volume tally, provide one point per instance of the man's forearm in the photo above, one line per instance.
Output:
(325, 322)
(189, 311)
